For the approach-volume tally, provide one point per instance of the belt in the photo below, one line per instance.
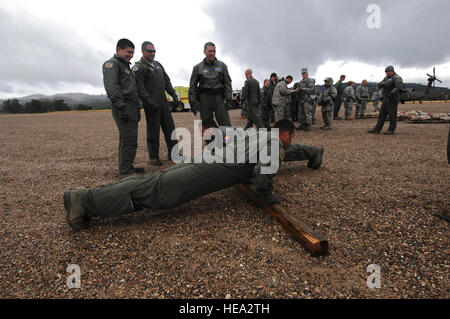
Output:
(219, 91)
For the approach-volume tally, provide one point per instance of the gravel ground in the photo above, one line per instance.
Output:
(373, 199)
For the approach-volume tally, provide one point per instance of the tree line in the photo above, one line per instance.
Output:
(14, 106)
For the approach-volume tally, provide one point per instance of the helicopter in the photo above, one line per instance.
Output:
(430, 92)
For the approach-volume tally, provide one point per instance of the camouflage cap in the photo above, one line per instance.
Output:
(304, 70)
(389, 68)
(329, 80)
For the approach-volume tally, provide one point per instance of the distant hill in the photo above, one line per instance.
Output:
(74, 99)
(71, 99)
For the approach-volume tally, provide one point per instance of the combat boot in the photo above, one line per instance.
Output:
(301, 127)
(156, 162)
(316, 161)
(374, 131)
(325, 128)
(138, 170)
(76, 214)
(133, 170)
(337, 118)
(443, 213)
(389, 133)
(307, 128)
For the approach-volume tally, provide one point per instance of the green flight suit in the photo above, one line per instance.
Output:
(251, 93)
(181, 183)
(266, 105)
(120, 86)
(152, 83)
(210, 86)
(338, 100)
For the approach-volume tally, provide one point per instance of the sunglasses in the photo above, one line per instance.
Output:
(150, 51)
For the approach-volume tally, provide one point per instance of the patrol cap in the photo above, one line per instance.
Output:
(304, 70)
(329, 80)
(389, 68)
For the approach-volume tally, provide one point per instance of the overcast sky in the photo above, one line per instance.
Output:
(59, 46)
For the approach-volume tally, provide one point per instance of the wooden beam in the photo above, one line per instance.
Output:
(311, 241)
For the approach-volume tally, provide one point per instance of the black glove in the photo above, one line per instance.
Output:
(193, 107)
(155, 107)
(138, 114)
(124, 115)
(229, 104)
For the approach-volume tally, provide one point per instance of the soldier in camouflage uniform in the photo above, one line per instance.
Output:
(306, 99)
(392, 86)
(120, 86)
(326, 101)
(362, 97)
(376, 97)
(153, 82)
(266, 103)
(280, 99)
(316, 97)
(348, 97)
(252, 95)
(182, 183)
(338, 101)
(210, 86)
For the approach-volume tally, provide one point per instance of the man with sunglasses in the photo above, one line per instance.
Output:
(152, 83)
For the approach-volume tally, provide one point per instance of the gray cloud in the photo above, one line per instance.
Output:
(37, 54)
(286, 35)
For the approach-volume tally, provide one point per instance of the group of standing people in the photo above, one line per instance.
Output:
(298, 103)
(146, 81)
(210, 91)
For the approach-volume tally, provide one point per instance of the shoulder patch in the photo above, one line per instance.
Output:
(135, 68)
(108, 65)
(218, 69)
